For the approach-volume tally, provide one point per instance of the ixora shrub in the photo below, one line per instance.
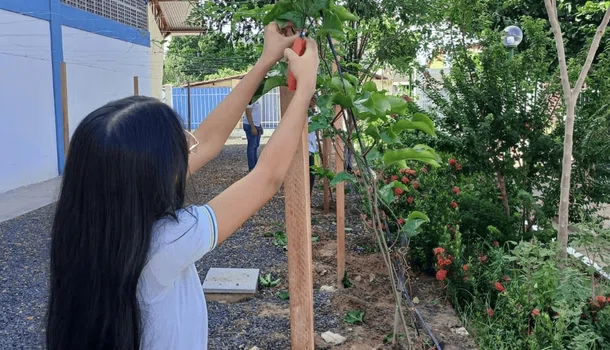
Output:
(521, 300)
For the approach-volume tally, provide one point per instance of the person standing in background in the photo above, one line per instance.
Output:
(313, 144)
(254, 132)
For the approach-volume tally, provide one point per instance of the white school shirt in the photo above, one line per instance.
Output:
(174, 312)
(256, 114)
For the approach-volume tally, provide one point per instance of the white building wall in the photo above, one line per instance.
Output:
(28, 151)
(100, 69)
(157, 55)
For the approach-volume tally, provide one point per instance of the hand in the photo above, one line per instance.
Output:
(276, 41)
(255, 131)
(304, 68)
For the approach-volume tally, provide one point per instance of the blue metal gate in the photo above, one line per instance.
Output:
(203, 101)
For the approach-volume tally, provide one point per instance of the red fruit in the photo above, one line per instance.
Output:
(394, 177)
(458, 167)
(402, 171)
(454, 205)
(465, 267)
(438, 250)
(490, 312)
(499, 287)
(398, 191)
(452, 161)
(535, 312)
(456, 190)
(415, 185)
(411, 172)
(441, 275)
(401, 221)
(410, 200)
(405, 180)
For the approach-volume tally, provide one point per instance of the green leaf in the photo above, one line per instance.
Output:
(418, 154)
(342, 176)
(343, 100)
(332, 25)
(343, 13)
(419, 121)
(354, 316)
(284, 295)
(369, 86)
(389, 137)
(346, 282)
(412, 225)
(337, 85)
(352, 79)
(316, 125)
(398, 105)
(386, 193)
(315, 239)
(373, 132)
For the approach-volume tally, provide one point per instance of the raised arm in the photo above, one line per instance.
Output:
(236, 204)
(217, 127)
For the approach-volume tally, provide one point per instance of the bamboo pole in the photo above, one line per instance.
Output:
(136, 86)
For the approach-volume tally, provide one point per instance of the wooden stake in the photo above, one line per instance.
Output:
(326, 145)
(340, 202)
(298, 231)
(64, 107)
(188, 104)
(136, 86)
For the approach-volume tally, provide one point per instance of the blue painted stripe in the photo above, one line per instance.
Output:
(57, 57)
(33, 8)
(83, 20)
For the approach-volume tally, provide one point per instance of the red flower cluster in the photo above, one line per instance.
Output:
(410, 200)
(499, 287)
(410, 172)
(415, 185)
(424, 170)
(442, 262)
(441, 275)
(465, 267)
(404, 180)
(535, 312)
(454, 205)
(401, 221)
(394, 177)
(601, 300)
(454, 163)
(456, 190)
(482, 259)
(496, 244)
(490, 312)
(398, 191)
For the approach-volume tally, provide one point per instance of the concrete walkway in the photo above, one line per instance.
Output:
(29, 198)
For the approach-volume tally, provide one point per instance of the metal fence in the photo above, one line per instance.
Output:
(205, 99)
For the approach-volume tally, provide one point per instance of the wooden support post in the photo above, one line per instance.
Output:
(64, 107)
(326, 145)
(298, 231)
(188, 103)
(340, 203)
(136, 86)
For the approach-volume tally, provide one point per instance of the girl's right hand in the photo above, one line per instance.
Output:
(304, 68)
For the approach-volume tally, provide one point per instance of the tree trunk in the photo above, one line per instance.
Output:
(566, 173)
(502, 187)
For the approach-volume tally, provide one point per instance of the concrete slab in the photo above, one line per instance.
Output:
(231, 281)
(29, 198)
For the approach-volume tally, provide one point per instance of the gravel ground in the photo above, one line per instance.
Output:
(262, 320)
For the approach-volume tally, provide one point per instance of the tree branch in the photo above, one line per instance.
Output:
(591, 55)
(561, 53)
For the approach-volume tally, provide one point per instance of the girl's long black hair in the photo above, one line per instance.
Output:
(126, 168)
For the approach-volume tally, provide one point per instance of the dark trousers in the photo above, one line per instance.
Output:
(253, 143)
(312, 174)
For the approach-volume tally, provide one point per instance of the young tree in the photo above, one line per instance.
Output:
(570, 95)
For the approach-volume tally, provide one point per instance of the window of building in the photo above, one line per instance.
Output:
(130, 12)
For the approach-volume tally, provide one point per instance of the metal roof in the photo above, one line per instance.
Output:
(172, 16)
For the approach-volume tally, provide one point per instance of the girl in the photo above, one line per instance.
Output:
(123, 244)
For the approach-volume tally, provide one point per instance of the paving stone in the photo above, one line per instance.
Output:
(225, 280)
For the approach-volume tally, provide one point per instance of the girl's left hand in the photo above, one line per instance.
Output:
(276, 42)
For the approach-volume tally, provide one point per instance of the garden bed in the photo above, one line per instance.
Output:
(263, 320)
